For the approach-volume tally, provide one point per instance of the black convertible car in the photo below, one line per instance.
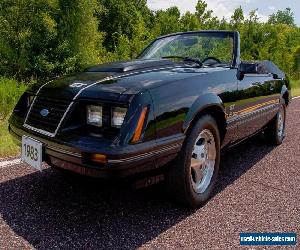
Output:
(164, 116)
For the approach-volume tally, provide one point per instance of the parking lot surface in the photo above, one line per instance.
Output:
(258, 191)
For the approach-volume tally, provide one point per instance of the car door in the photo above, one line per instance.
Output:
(229, 97)
(257, 102)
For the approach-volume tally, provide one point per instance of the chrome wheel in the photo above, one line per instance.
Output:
(203, 161)
(280, 124)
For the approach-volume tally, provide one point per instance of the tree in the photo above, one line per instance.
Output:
(283, 17)
(204, 16)
(251, 37)
(167, 21)
(45, 38)
(237, 18)
(120, 18)
(296, 63)
(189, 21)
(223, 25)
(27, 33)
(79, 42)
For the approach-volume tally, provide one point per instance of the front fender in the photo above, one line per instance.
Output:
(201, 103)
(138, 102)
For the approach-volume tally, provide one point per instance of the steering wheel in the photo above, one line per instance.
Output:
(211, 58)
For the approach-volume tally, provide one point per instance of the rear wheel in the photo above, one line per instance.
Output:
(192, 177)
(275, 131)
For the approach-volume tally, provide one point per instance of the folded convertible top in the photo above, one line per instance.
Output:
(268, 67)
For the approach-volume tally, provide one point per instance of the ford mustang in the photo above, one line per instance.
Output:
(164, 116)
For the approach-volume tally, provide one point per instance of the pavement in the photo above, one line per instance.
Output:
(258, 191)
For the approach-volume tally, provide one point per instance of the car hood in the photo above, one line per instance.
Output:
(110, 81)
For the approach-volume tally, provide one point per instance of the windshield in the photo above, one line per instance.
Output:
(208, 48)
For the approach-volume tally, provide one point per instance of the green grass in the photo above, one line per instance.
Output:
(10, 92)
(295, 84)
(7, 146)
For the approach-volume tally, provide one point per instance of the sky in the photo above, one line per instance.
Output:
(226, 7)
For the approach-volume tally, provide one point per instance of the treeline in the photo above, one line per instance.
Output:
(45, 38)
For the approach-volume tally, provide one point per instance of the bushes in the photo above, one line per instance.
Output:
(10, 92)
(7, 145)
(295, 84)
(46, 38)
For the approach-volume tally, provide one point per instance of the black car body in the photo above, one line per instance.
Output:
(163, 98)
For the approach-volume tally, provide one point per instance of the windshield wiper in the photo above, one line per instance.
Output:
(185, 59)
(215, 65)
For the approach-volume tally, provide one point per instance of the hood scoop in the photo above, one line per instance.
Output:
(121, 67)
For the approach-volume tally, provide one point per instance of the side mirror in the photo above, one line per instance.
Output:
(246, 68)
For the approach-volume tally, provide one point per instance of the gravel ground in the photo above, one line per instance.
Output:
(258, 190)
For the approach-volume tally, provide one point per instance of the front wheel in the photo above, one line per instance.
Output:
(275, 131)
(192, 176)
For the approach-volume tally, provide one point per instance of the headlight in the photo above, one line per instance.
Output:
(94, 115)
(117, 116)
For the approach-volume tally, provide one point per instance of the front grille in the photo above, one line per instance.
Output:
(49, 122)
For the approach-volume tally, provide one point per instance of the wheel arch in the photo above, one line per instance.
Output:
(209, 104)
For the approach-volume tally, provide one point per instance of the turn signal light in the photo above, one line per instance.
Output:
(140, 125)
(99, 158)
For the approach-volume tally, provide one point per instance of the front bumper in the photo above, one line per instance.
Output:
(121, 160)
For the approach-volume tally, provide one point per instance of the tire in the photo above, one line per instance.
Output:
(183, 179)
(275, 131)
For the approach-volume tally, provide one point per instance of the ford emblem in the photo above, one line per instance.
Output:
(44, 112)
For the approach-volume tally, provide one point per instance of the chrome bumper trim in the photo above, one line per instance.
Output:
(146, 155)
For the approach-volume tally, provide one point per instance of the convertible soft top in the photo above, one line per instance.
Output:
(268, 67)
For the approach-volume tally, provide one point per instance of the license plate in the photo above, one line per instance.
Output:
(32, 152)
